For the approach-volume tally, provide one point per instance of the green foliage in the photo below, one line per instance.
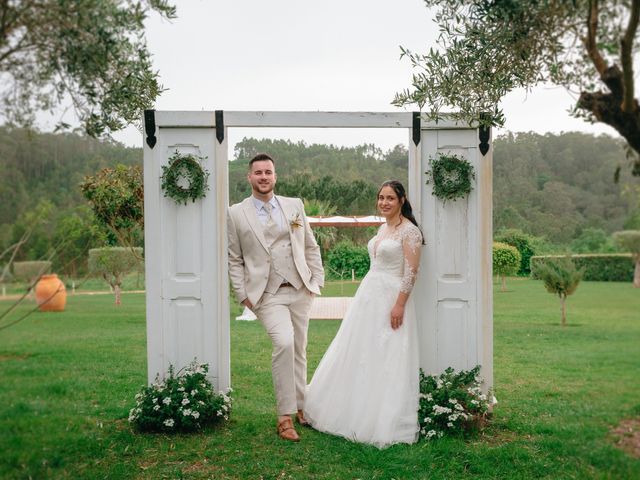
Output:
(488, 49)
(628, 240)
(184, 168)
(451, 403)
(116, 197)
(113, 263)
(90, 54)
(76, 233)
(29, 270)
(344, 257)
(355, 197)
(613, 267)
(506, 259)
(182, 402)
(523, 242)
(559, 275)
(592, 240)
(451, 176)
(325, 236)
(555, 186)
(561, 278)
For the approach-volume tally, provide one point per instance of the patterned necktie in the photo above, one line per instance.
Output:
(270, 227)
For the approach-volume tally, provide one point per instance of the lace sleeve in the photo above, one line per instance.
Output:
(411, 243)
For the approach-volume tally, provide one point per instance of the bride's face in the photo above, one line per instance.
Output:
(388, 203)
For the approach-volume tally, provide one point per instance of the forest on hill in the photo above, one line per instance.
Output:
(556, 187)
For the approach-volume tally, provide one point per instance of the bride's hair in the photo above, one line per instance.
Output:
(406, 211)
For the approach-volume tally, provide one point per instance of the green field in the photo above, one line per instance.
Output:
(67, 381)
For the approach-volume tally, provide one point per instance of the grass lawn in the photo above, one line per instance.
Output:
(68, 381)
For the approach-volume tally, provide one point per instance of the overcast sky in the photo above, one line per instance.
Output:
(334, 55)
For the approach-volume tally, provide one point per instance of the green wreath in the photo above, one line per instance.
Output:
(187, 167)
(452, 177)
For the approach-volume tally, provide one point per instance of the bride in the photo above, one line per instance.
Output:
(366, 386)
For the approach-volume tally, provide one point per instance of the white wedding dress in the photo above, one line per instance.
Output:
(366, 386)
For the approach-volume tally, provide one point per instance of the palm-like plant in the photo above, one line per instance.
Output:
(325, 236)
(561, 277)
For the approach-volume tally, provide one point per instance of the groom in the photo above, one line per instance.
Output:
(275, 270)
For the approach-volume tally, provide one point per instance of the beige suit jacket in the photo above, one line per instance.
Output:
(249, 258)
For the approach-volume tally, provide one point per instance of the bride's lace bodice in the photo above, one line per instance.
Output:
(397, 252)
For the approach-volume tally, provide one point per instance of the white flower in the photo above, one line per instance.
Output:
(156, 407)
(186, 412)
(185, 401)
(155, 399)
(225, 408)
(431, 433)
(440, 410)
(138, 396)
(195, 414)
(166, 401)
(449, 424)
(193, 393)
(169, 422)
(200, 402)
(181, 389)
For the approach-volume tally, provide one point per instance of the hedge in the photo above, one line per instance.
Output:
(604, 267)
(344, 257)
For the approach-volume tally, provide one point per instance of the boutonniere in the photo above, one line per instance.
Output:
(296, 221)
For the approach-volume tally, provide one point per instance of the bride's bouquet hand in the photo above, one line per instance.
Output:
(397, 314)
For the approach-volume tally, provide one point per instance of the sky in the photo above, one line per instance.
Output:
(298, 55)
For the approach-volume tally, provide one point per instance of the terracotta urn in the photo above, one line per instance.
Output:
(51, 294)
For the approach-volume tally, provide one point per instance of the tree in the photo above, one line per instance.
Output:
(116, 197)
(90, 53)
(489, 48)
(560, 277)
(592, 240)
(113, 263)
(506, 261)
(524, 244)
(630, 240)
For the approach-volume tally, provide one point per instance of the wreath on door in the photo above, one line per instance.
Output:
(451, 176)
(185, 167)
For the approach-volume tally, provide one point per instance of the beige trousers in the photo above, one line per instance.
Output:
(285, 317)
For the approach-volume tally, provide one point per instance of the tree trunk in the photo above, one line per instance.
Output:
(563, 309)
(116, 289)
(636, 273)
(504, 283)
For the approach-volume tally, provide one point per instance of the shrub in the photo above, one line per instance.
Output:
(452, 403)
(506, 261)
(183, 402)
(523, 242)
(28, 271)
(609, 267)
(560, 277)
(346, 256)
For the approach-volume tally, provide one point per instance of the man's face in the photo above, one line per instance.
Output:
(262, 177)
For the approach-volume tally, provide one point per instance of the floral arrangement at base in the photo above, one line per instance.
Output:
(183, 402)
(452, 403)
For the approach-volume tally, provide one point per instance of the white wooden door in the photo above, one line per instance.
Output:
(186, 253)
(454, 290)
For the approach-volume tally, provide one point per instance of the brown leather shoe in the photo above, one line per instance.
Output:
(286, 430)
(301, 419)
